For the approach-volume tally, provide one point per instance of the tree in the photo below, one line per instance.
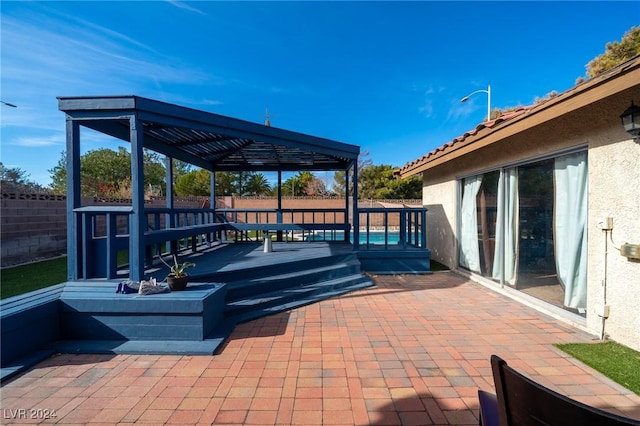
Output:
(405, 189)
(378, 182)
(297, 185)
(197, 182)
(14, 179)
(317, 188)
(339, 177)
(250, 183)
(616, 53)
(225, 183)
(257, 184)
(104, 172)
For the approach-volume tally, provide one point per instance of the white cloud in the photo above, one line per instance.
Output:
(426, 109)
(211, 102)
(45, 56)
(185, 6)
(459, 110)
(70, 57)
(38, 142)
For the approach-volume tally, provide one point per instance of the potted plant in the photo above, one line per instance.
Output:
(177, 278)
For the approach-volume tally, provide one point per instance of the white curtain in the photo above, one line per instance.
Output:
(469, 249)
(506, 249)
(570, 227)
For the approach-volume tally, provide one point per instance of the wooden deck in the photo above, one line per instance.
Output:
(227, 259)
(224, 260)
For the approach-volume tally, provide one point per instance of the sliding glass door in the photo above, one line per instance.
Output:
(525, 227)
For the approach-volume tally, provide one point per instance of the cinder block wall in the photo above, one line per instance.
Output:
(34, 226)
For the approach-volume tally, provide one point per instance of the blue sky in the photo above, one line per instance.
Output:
(387, 76)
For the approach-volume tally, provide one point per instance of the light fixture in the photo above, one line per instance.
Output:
(631, 121)
(488, 92)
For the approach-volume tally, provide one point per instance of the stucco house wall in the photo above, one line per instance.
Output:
(614, 191)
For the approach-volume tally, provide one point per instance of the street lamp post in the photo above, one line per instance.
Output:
(488, 92)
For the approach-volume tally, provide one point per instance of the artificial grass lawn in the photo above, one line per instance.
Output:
(617, 362)
(34, 276)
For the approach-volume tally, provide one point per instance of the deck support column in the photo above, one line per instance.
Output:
(212, 205)
(279, 210)
(170, 246)
(356, 214)
(138, 220)
(74, 240)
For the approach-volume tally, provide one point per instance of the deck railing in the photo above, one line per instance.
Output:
(386, 228)
(102, 232)
(287, 224)
(105, 231)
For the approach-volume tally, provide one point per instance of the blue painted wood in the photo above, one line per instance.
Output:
(150, 123)
(302, 291)
(29, 322)
(355, 216)
(74, 246)
(96, 312)
(141, 347)
(138, 222)
(162, 235)
(168, 245)
(22, 364)
(293, 274)
(287, 226)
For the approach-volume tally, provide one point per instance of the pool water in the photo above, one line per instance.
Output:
(375, 237)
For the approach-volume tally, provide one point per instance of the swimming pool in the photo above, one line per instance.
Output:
(375, 237)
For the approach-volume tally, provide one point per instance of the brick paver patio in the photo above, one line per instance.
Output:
(414, 350)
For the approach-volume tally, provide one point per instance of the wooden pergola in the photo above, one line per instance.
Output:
(206, 140)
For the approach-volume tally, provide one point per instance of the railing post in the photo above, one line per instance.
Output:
(403, 229)
(356, 214)
(75, 242)
(112, 251)
(87, 236)
(138, 222)
(423, 228)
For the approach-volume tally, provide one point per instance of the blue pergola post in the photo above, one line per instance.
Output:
(212, 203)
(74, 240)
(279, 210)
(356, 215)
(212, 191)
(138, 219)
(168, 164)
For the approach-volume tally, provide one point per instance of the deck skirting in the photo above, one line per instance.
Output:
(94, 311)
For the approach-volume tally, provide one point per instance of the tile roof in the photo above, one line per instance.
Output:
(460, 140)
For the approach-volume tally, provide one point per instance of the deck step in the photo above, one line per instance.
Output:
(293, 266)
(265, 310)
(303, 282)
(281, 299)
(138, 347)
(241, 289)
